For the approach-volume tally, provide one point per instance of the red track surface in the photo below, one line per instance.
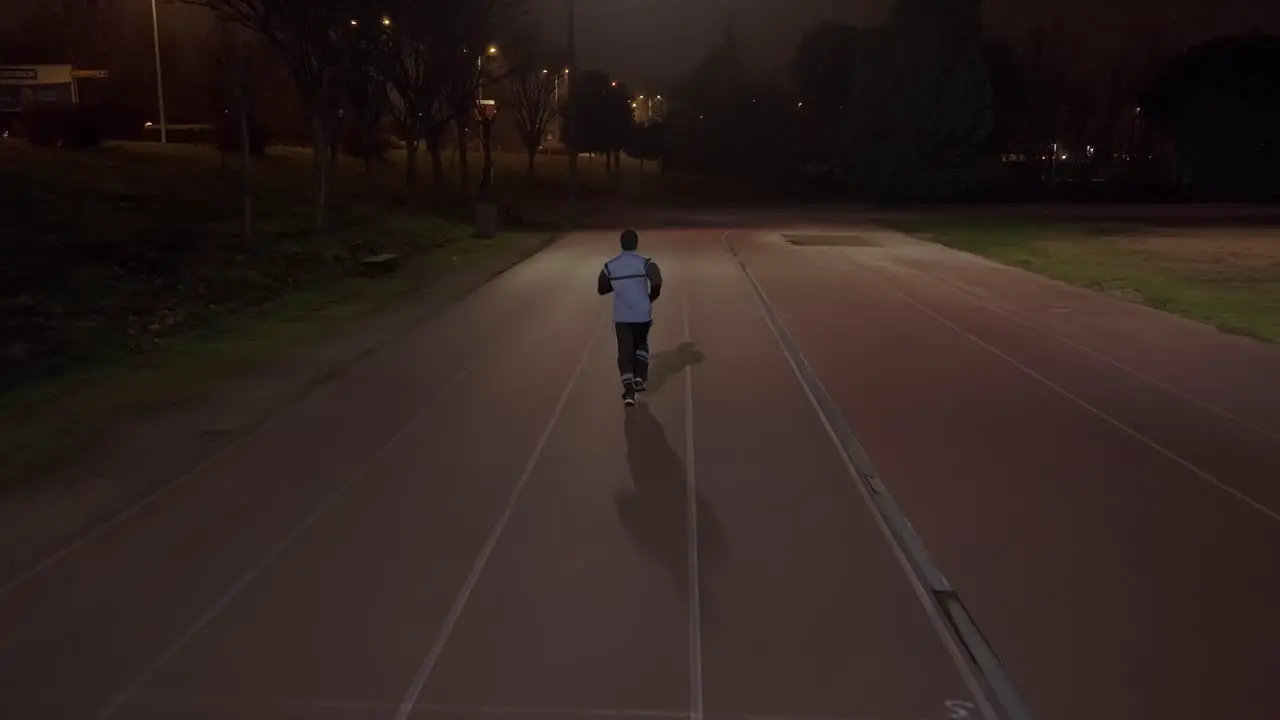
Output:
(470, 525)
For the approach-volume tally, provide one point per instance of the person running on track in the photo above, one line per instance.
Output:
(635, 282)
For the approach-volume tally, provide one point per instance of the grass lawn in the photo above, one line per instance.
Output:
(1227, 277)
(125, 283)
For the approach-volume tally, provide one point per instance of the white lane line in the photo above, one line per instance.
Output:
(276, 550)
(691, 490)
(918, 565)
(277, 416)
(1084, 404)
(464, 593)
(250, 704)
(978, 300)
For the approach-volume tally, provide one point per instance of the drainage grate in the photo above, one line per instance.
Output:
(830, 241)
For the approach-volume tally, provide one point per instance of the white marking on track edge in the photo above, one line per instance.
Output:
(1100, 413)
(978, 300)
(464, 593)
(923, 594)
(691, 492)
(275, 552)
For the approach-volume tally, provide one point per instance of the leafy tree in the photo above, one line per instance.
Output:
(922, 101)
(602, 114)
(647, 142)
(823, 65)
(1218, 104)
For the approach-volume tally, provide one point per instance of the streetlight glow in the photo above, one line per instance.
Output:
(354, 22)
(386, 21)
(493, 50)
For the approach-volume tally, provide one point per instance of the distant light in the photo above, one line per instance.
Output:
(386, 21)
(492, 50)
(354, 22)
(566, 71)
(613, 84)
(146, 125)
(799, 104)
(657, 97)
(1064, 156)
(639, 97)
(544, 72)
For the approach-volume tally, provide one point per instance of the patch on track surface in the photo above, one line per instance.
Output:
(831, 241)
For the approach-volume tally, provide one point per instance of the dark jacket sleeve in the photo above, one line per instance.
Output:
(603, 285)
(654, 274)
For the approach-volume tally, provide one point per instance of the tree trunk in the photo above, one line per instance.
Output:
(246, 171)
(486, 172)
(411, 163)
(322, 160)
(437, 161)
(533, 156)
(464, 167)
(246, 158)
(367, 138)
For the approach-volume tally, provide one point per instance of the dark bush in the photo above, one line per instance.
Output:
(226, 130)
(353, 144)
(56, 124)
(85, 128)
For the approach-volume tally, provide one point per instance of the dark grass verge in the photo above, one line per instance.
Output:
(126, 287)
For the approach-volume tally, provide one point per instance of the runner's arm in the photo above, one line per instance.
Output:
(604, 286)
(654, 274)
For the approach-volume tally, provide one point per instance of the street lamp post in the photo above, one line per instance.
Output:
(570, 141)
(155, 38)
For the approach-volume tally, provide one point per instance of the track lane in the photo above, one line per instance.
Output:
(1111, 580)
(89, 624)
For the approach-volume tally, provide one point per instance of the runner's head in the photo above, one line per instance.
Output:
(630, 240)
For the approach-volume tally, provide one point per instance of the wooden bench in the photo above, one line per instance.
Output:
(385, 262)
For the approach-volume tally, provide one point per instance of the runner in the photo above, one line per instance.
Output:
(635, 282)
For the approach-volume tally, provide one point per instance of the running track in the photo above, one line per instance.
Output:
(875, 483)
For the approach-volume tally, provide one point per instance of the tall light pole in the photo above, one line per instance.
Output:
(570, 139)
(155, 37)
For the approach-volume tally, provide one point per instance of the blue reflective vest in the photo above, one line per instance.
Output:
(635, 282)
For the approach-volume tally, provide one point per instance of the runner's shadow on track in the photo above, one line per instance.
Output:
(667, 364)
(655, 510)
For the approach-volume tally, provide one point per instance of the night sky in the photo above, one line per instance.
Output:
(650, 42)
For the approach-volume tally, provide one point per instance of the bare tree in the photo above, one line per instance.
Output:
(368, 41)
(533, 108)
(417, 75)
(310, 35)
